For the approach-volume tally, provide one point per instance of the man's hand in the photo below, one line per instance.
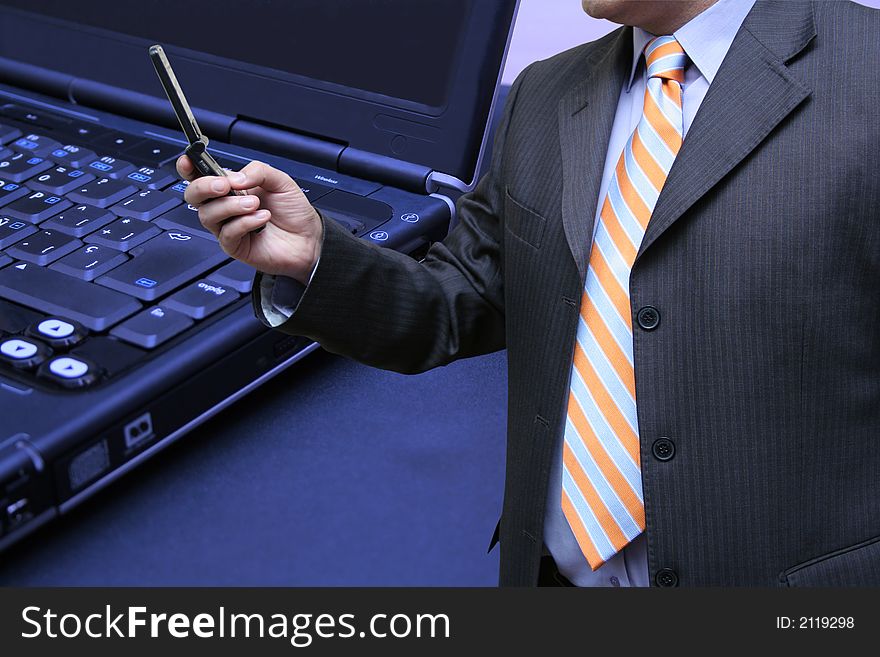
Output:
(290, 242)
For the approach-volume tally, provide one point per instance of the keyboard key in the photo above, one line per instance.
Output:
(111, 167)
(58, 333)
(79, 220)
(178, 188)
(152, 178)
(154, 153)
(230, 163)
(35, 117)
(13, 230)
(237, 275)
(35, 145)
(366, 210)
(55, 293)
(312, 190)
(74, 156)
(152, 327)
(8, 133)
(23, 353)
(163, 264)
(18, 349)
(43, 247)
(186, 218)
(36, 207)
(4, 260)
(20, 167)
(146, 205)
(124, 234)
(15, 319)
(116, 141)
(102, 192)
(85, 131)
(90, 261)
(201, 299)
(60, 180)
(69, 371)
(9, 191)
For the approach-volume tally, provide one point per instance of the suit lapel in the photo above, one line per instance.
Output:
(751, 94)
(586, 116)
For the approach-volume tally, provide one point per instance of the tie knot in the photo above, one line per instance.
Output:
(665, 58)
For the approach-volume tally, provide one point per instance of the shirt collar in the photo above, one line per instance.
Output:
(706, 38)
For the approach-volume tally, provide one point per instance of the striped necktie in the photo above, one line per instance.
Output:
(601, 477)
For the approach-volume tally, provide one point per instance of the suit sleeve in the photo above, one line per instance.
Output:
(384, 309)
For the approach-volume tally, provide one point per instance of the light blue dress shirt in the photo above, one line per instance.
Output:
(705, 39)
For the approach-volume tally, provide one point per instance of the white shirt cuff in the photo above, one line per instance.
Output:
(280, 295)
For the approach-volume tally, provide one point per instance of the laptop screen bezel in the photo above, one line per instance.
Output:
(447, 139)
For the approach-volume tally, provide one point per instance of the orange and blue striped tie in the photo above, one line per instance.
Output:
(601, 476)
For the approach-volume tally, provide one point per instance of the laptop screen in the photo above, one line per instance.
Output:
(408, 79)
(369, 45)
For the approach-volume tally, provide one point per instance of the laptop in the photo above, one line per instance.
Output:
(122, 323)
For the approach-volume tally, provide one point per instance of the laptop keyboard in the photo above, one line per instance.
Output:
(101, 261)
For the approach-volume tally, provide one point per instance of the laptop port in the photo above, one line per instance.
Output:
(139, 430)
(18, 512)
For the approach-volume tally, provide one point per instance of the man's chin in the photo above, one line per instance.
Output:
(613, 10)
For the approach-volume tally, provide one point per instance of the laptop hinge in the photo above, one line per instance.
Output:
(285, 143)
(387, 170)
(35, 78)
(143, 107)
(330, 155)
(82, 91)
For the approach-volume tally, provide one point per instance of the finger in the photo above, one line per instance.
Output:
(235, 231)
(185, 168)
(206, 188)
(213, 214)
(259, 174)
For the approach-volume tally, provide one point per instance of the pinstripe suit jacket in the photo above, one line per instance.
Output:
(762, 257)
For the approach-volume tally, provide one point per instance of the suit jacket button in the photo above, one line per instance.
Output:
(663, 449)
(666, 577)
(648, 318)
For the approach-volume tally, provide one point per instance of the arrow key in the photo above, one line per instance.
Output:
(58, 333)
(69, 372)
(22, 353)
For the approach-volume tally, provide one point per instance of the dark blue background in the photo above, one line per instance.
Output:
(331, 474)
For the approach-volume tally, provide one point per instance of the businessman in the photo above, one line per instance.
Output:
(678, 243)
